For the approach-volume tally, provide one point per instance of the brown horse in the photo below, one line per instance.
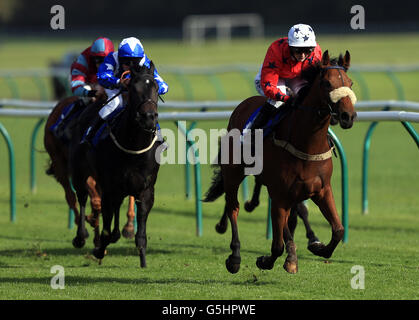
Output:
(58, 167)
(297, 162)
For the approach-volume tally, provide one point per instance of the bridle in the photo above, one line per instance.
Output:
(330, 108)
(151, 131)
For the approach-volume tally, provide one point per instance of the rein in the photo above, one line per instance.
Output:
(135, 152)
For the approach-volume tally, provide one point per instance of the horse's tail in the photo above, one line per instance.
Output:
(216, 189)
(217, 186)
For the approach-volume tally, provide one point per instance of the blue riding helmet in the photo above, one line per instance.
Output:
(130, 48)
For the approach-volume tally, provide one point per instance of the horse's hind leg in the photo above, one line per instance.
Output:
(79, 239)
(249, 206)
(302, 212)
(110, 205)
(144, 206)
(221, 226)
(279, 217)
(232, 180)
(95, 203)
(327, 206)
(128, 230)
(61, 175)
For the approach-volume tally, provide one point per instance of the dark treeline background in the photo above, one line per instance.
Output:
(164, 18)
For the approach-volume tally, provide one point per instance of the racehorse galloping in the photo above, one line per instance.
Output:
(297, 162)
(58, 167)
(123, 163)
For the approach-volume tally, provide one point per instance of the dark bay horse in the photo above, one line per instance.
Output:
(297, 162)
(58, 168)
(123, 164)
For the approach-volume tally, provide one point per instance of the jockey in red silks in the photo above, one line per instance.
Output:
(285, 59)
(83, 77)
(84, 69)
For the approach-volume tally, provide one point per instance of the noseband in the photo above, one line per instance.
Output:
(329, 110)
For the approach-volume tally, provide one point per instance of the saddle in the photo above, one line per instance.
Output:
(61, 127)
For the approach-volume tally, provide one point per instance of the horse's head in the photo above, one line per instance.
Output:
(143, 95)
(336, 92)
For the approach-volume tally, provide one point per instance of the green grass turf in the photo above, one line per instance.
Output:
(184, 266)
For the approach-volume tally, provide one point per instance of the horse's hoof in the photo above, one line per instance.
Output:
(233, 264)
(128, 231)
(291, 267)
(264, 263)
(115, 236)
(316, 247)
(78, 242)
(221, 228)
(98, 253)
(249, 206)
(319, 249)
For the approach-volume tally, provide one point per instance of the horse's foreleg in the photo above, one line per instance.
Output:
(105, 236)
(327, 206)
(291, 262)
(144, 206)
(249, 206)
(128, 230)
(279, 217)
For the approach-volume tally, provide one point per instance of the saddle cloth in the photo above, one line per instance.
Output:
(270, 125)
(62, 122)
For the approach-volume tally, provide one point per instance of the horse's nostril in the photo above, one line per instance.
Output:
(345, 116)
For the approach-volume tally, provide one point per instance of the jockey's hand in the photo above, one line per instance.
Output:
(124, 82)
(92, 93)
(290, 100)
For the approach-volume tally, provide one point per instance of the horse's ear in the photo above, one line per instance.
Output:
(346, 60)
(325, 58)
(152, 67)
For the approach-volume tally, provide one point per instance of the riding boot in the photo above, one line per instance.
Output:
(96, 124)
(263, 116)
(260, 121)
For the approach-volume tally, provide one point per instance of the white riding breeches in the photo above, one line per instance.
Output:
(112, 105)
(287, 86)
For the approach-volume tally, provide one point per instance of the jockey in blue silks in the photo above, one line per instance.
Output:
(130, 52)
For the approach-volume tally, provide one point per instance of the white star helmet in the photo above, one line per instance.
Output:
(301, 35)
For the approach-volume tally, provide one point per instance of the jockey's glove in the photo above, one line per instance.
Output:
(92, 93)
